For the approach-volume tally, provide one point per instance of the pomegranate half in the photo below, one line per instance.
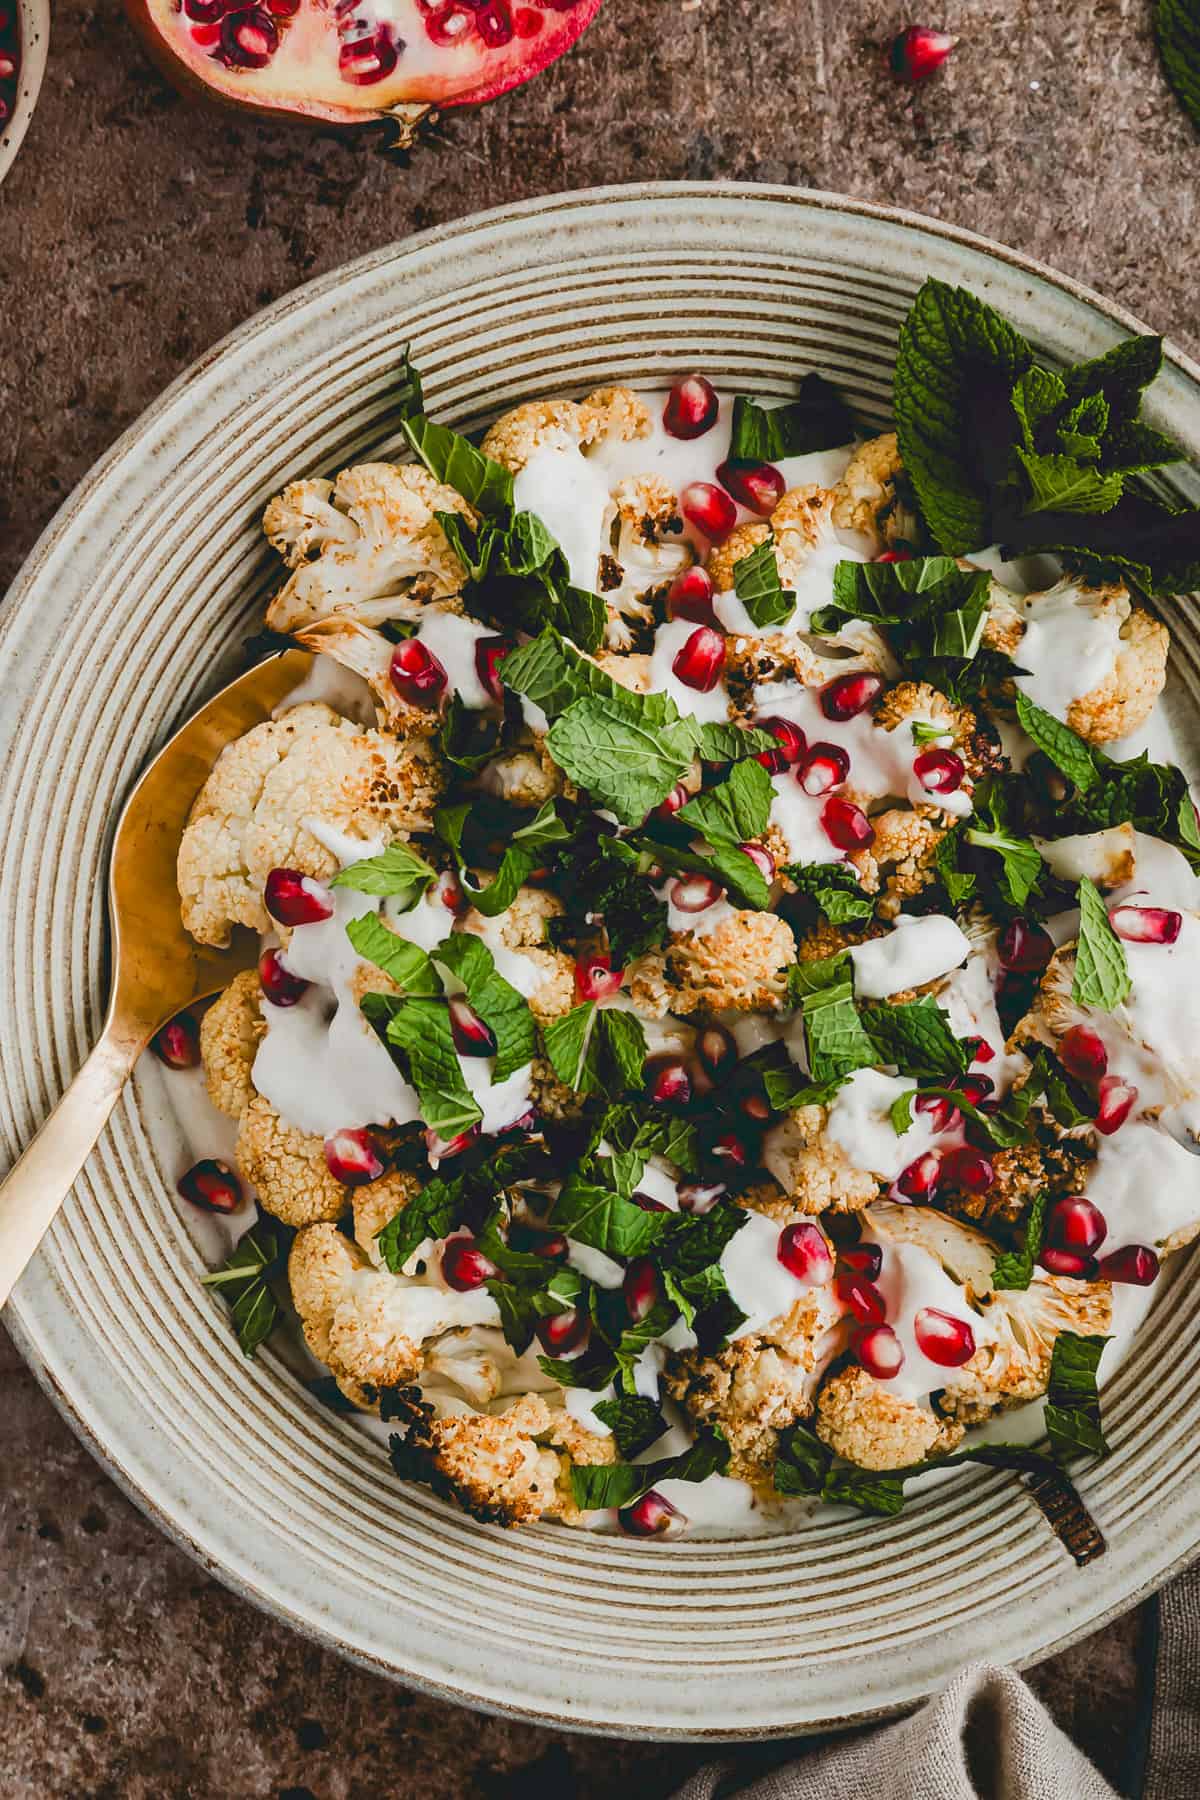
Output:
(350, 62)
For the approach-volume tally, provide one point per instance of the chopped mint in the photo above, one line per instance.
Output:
(1101, 966)
(407, 964)
(757, 585)
(636, 1422)
(1072, 1397)
(524, 854)
(502, 1008)
(597, 1049)
(1015, 1268)
(603, 1485)
(398, 872)
(818, 419)
(244, 1280)
(484, 484)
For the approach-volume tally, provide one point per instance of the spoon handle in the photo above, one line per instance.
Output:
(41, 1180)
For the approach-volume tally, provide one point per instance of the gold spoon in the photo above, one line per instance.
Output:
(157, 967)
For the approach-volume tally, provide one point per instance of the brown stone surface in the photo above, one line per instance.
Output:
(134, 232)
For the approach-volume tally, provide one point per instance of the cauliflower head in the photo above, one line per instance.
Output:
(814, 1171)
(869, 1425)
(739, 966)
(1123, 699)
(610, 413)
(250, 815)
(648, 551)
(230, 1033)
(287, 1168)
(492, 1464)
(870, 497)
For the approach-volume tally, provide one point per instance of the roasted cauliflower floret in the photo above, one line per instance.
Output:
(648, 550)
(565, 424)
(876, 1429)
(491, 1464)
(631, 671)
(522, 930)
(351, 1313)
(1015, 1367)
(870, 495)
(377, 549)
(250, 816)
(1121, 704)
(1122, 698)
(812, 1169)
(230, 1033)
(1021, 1173)
(287, 1168)
(367, 653)
(900, 861)
(376, 1205)
(739, 966)
(526, 775)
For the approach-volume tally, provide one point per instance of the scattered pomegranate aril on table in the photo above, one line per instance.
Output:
(1146, 924)
(709, 509)
(879, 1351)
(1136, 1265)
(690, 596)
(757, 486)
(178, 1043)
(691, 407)
(293, 898)
(652, 1516)
(945, 1340)
(279, 985)
(212, 1186)
(464, 1266)
(359, 62)
(848, 695)
(805, 1254)
(352, 1157)
(918, 53)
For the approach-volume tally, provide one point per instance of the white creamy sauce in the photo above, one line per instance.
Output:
(1161, 871)
(1068, 648)
(699, 924)
(1105, 857)
(519, 970)
(718, 1504)
(1151, 1037)
(657, 1183)
(759, 1284)
(910, 1280)
(860, 1124)
(1146, 1184)
(602, 1269)
(812, 586)
(452, 639)
(915, 951)
(969, 1001)
(570, 495)
(797, 816)
(669, 640)
(334, 686)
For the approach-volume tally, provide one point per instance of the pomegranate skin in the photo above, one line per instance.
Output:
(497, 59)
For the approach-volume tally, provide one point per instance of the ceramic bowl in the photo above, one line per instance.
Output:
(34, 23)
(130, 609)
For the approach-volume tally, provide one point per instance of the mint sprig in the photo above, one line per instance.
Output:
(407, 964)
(397, 873)
(1101, 976)
(606, 1485)
(244, 1280)
(502, 1008)
(595, 1049)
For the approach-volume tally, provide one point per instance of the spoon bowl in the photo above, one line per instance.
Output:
(157, 968)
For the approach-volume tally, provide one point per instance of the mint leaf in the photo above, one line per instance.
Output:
(737, 811)
(1065, 748)
(834, 890)
(468, 738)
(1015, 1268)
(956, 365)
(244, 1280)
(728, 866)
(398, 872)
(484, 484)
(834, 1037)
(1101, 966)
(930, 610)
(818, 419)
(420, 1030)
(1153, 797)
(602, 880)
(717, 743)
(523, 856)
(603, 1485)
(1072, 1397)
(1021, 864)
(595, 1214)
(1119, 377)
(553, 674)
(406, 963)
(517, 571)
(623, 1047)
(1063, 482)
(757, 585)
(570, 1046)
(502, 1008)
(434, 1212)
(635, 1420)
(627, 757)
(916, 1037)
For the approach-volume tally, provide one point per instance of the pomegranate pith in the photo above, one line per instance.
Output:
(357, 61)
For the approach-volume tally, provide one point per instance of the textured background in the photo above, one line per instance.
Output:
(135, 232)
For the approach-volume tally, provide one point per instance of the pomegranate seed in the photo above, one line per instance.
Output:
(863, 1259)
(450, 894)
(947, 1341)
(980, 1049)
(368, 59)
(730, 1148)
(975, 1088)
(678, 796)
(756, 1107)
(495, 25)
(205, 12)
(1117, 1098)
(1075, 1224)
(919, 52)
(279, 985)
(700, 1197)
(490, 652)
(701, 661)
(825, 766)
(652, 1516)
(1146, 924)
(449, 25)
(560, 1332)
(762, 859)
(296, 899)
(249, 39)
(595, 977)
(440, 1149)
(212, 1186)
(352, 1157)
(879, 1351)
(850, 695)
(758, 486)
(528, 22)
(416, 673)
(894, 556)
(1136, 1266)
(1024, 948)
(694, 893)
(1082, 1053)
(690, 596)
(178, 1043)
(846, 825)
(791, 745)
(970, 1169)
(464, 1266)
(472, 1037)
(648, 1203)
(805, 1254)
(691, 407)
(921, 1177)
(536, 1240)
(942, 1114)
(1072, 1263)
(717, 1050)
(642, 1288)
(861, 1296)
(939, 771)
(709, 509)
(667, 1081)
